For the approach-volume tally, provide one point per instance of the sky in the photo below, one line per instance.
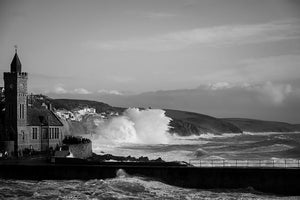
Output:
(120, 50)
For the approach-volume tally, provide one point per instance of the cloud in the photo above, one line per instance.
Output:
(114, 92)
(211, 36)
(275, 93)
(59, 89)
(81, 91)
(227, 85)
(219, 86)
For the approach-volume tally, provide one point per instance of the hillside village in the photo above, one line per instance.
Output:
(78, 113)
(73, 110)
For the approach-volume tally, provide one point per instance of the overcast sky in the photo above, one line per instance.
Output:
(136, 46)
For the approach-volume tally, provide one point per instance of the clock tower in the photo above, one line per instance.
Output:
(15, 85)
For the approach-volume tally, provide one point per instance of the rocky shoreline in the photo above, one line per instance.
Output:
(110, 157)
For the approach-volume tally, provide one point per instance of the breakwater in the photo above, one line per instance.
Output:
(283, 181)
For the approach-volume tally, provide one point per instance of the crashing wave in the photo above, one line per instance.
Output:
(148, 126)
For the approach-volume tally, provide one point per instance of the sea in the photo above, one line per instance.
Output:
(277, 147)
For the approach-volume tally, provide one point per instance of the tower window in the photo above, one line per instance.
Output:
(21, 110)
(34, 133)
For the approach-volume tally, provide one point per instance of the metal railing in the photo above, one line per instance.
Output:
(246, 163)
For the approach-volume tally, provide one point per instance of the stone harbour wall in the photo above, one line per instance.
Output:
(282, 181)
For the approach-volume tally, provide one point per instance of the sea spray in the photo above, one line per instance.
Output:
(116, 130)
(120, 173)
(149, 126)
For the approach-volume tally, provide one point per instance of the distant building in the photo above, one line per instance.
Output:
(23, 126)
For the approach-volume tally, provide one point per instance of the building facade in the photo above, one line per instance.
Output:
(26, 127)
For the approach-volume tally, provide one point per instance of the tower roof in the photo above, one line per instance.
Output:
(16, 65)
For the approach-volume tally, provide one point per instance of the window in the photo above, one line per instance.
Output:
(56, 133)
(50, 133)
(21, 111)
(34, 133)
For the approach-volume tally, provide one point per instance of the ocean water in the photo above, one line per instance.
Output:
(121, 187)
(264, 146)
(251, 146)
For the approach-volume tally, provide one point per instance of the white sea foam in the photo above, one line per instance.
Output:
(265, 133)
(224, 135)
(269, 148)
(214, 158)
(70, 155)
(206, 136)
(135, 126)
(189, 137)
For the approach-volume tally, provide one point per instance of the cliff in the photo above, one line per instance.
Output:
(253, 125)
(188, 123)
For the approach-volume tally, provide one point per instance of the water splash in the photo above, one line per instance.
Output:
(148, 126)
(121, 173)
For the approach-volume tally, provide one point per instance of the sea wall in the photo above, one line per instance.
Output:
(82, 151)
(270, 180)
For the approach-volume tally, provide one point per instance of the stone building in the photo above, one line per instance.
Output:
(25, 126)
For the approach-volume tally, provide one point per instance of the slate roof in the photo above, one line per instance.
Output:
(16, 65)
(42, 117)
